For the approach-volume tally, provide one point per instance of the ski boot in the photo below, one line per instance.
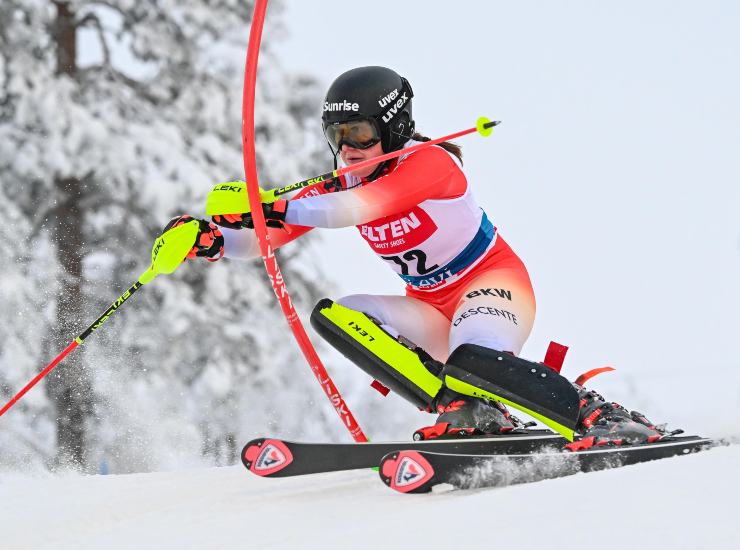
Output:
(463, 415)
(607, 423)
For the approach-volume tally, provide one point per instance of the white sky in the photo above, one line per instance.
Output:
(614, 174)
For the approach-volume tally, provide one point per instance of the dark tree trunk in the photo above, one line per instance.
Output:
(69, 385)
(65, 30)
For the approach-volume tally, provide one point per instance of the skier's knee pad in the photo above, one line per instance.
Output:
(411, 373)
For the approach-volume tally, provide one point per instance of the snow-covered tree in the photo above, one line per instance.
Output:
(115, 116)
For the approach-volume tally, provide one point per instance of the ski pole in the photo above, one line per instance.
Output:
(483, 126)
(168, 252)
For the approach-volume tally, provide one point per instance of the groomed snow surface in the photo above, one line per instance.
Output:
(682, 502)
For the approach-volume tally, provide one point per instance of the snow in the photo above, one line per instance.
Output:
(683, 502)
(658, 307)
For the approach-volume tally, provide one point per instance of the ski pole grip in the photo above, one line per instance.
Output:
(147, 277)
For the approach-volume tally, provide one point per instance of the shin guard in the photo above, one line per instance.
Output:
(533, 388)
(408, 372)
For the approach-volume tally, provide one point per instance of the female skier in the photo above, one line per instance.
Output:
(468, 295)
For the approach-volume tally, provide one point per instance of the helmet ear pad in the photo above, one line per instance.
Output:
(399, 132)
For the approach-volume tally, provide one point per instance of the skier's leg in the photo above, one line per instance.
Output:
(413, 319)
(495, 315)
(376, 335)
(494, 311)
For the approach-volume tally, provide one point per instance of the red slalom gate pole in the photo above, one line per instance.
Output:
(263, 237)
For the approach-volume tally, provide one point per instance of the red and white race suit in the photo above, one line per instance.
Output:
(464, 284)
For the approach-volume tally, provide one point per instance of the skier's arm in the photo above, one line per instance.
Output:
(427, 174)
(242, 244)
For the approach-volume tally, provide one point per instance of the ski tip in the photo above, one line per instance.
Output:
(485, 125)
(406, 472)
(266, 457)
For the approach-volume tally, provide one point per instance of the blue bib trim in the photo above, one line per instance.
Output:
(470, 254)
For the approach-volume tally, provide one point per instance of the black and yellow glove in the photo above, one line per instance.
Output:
(228, 205)
(209, 242)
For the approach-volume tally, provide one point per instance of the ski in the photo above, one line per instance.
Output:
(279, 458)
(418, 470)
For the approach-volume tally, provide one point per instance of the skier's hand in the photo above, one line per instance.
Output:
(228, 205)
(209, 242)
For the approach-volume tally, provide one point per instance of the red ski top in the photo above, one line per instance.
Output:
(420, 217)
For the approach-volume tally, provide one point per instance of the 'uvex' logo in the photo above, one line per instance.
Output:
(395, 108)
(386, 99)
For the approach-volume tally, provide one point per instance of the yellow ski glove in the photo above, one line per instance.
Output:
(228, 205)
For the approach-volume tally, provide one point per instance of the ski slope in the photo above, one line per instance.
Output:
(683, 502)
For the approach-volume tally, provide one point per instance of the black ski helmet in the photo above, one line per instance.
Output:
(375, 93)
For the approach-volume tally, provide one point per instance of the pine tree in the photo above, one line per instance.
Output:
(116, 116)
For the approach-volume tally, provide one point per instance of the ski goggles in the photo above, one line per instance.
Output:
(359, 134)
